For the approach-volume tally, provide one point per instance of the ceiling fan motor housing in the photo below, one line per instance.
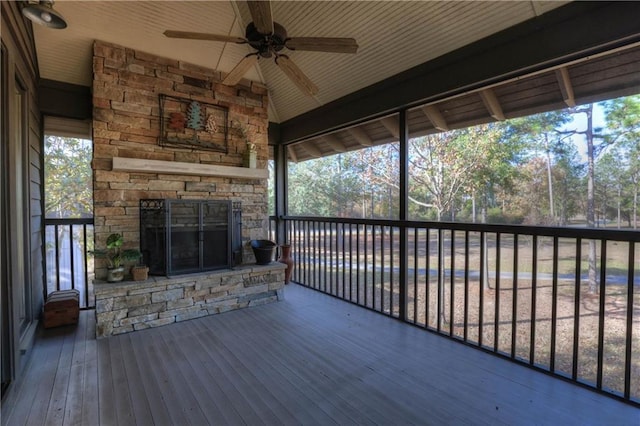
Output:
(266, 44)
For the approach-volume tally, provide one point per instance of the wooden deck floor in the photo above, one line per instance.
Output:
(310, 359)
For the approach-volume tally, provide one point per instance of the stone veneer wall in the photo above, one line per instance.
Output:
(126, 123)
(129, 306)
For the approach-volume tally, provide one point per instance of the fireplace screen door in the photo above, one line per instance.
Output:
(184, 236)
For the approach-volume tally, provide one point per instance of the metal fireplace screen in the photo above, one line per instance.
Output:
(184, 236)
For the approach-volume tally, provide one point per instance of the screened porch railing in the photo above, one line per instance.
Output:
(565, 301)
(68, 266)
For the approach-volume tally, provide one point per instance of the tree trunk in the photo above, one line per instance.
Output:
(473, 206)
(549, 177)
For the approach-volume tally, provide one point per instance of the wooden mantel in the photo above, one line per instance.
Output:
(181, 168)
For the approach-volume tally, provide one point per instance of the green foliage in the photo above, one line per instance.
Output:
(342, 185)
(68, 177)
(526, 170)
(114, 254)
(497, 216)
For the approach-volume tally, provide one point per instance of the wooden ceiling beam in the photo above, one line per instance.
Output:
(291, 150)
(335, 143)
(516, 51)
(492, 104)
(361, 136)
(392, 125)
(311, 149)
(566, 88)
(435, 116)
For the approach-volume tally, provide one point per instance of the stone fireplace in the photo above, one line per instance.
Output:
(131, 164)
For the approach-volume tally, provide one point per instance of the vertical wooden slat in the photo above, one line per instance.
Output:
(358, 290)
(382, 280)
(483, 254)
(440, 280)
(534, 282)
(416, 234)
(373, 264)
(332, 241)
(576, 309)
(496, 311)
(86, 265)
(366, 266)
(629, 324)
(391, 269)
(57, 248)
(427, 276)
(514, 297)
(71, 258)
(554, 307)
(452, 282)
(466, 286)
(344, 260)
(601, 311)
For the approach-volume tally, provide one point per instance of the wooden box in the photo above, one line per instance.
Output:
(62, 308)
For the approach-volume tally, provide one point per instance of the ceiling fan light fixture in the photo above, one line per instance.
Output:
(42, 13)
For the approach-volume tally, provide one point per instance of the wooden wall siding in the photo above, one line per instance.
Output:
(126, 123)
(593, 79)
(17, 37)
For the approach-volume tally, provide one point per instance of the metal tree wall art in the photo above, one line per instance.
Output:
(193, 124)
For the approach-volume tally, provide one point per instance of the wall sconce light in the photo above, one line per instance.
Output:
(42, 13)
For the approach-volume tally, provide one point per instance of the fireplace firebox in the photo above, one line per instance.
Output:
(186, 236)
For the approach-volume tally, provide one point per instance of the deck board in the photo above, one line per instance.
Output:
(310, 359)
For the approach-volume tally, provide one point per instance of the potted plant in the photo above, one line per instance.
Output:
(116, 257)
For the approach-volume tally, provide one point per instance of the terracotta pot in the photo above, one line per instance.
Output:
(139, 273)
(287, 259)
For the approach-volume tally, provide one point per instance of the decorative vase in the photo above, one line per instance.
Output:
(115, 274)
(139, 273)
(250, 156)
(287, 259)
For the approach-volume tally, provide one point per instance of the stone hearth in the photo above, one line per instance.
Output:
(129, 306)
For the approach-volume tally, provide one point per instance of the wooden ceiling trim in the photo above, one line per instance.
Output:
(392, 125)
(492, 103)
(311, 148)
(437, 119)
(360, 136)
(553, 39)
(335, 143)
(564, 81)
(291, 150)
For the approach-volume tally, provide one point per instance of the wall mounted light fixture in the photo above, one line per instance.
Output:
(42, 13)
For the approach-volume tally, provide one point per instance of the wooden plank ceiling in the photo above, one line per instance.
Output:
(592, 79)
(393, 36)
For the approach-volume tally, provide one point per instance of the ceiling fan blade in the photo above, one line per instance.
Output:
(240, 70)
(261, 15)
(323, 44)
(203, 36)
(296, 75)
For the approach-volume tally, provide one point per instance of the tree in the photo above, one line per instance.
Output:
(544, 137)
(445, 165)
(612, 185)
(623, 128)
(68, 177)
(593, 150)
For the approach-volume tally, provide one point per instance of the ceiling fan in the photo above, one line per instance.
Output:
(269, 38)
